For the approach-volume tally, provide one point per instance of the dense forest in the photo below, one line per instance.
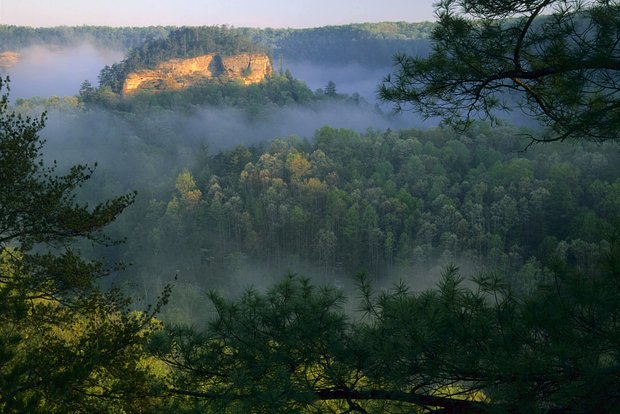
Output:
(467, 267)
(345, 203)
(256, 101)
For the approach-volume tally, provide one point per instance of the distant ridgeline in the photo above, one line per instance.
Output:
(187, 57)
(329, 44)
(369, 44)
(16, 38)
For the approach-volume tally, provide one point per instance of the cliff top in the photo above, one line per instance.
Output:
(9, 59)
(184, 43)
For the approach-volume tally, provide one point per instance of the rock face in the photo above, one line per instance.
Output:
(8, 59)
(181, 73)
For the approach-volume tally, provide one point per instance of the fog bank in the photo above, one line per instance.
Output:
(46, 72)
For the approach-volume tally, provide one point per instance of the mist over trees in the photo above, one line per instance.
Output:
(117, 38)
(67, 346)
(309, 53)
(373, 44)
(346, 202)
(325, 43)
(522, 318)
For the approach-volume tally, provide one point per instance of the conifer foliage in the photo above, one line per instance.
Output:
(65, 345)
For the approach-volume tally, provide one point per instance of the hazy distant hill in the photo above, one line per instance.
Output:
(371, 43)
(16, 38)
(356, 56)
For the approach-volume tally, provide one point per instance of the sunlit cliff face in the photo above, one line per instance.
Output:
(181, 73)
(8, 59)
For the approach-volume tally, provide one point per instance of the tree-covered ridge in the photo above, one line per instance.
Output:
(118, 38)
(255, 100)
(537, 330)
(182, 43)
(540, 337)
(347, 43)
(328, 45)
(124, 38)
(191, 41)
(384, 202)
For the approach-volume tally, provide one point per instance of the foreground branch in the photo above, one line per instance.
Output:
(442, 404)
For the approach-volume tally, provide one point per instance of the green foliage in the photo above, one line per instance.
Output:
(330, 45)
(65, 345)
(86, 91)
(330, 89)
(337, 45)
(488, 56)
(484, 348)
(261, 348)
(255, 99)
(53, 103)
(390, 202)
(539, 333)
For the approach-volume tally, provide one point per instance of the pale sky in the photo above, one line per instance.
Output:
(239, 13)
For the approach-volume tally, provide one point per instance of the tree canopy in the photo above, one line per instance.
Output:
(453, 349)
(555, 60)
(65, 345)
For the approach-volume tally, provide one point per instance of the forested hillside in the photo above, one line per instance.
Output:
(367, 44)
(356, 56)
(389, 204)
(255, 256)
(119, 38)
(182, 43)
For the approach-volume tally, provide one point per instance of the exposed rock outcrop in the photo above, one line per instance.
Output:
(9, 59)
(181, 73)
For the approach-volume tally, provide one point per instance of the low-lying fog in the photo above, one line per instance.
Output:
(119, 143)
(350, 78)
(45, 72)
(59, 72)
(146, 151)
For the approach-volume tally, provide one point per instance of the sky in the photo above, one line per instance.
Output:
(239, 13)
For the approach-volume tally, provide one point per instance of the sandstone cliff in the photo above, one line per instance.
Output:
(181, 73)
(8, 59)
